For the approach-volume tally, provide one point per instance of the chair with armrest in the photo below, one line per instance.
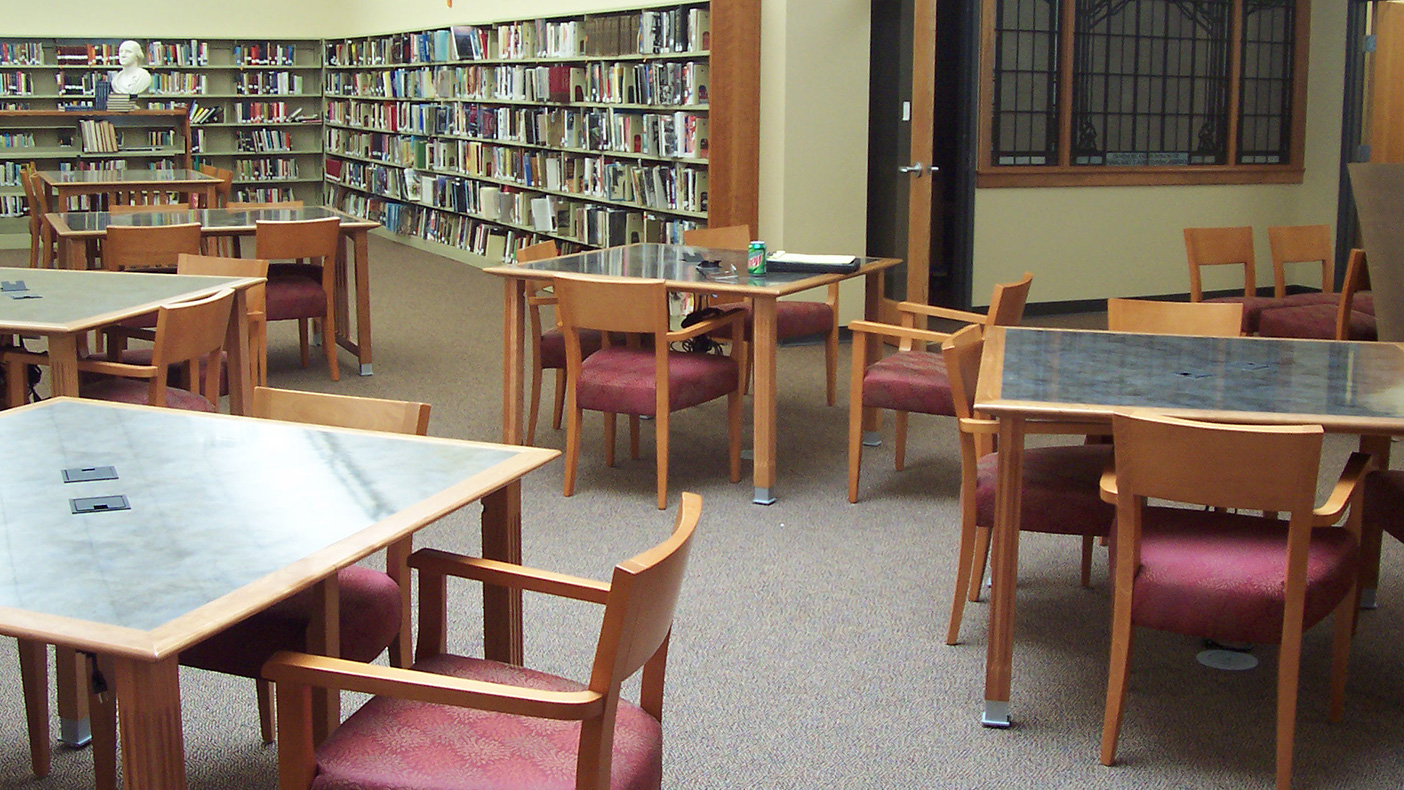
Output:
(548, 345)
(147, 208)
(1356, 300)
(637, 381)
(235, 243)
(1312, 314)
(41, 241)
(1226, 247)
(794, 318)
(1060, 493)
(469, 722)
(149, 247)
(913, 379)
(1230, 577)
(226, 184)
(1201, 319)
(306, 289)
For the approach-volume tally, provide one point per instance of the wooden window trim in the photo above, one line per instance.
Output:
(988, 174)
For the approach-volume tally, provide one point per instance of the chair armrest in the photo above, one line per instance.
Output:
(936, 311)
(731, 316)
(32, 357)
(541, 301)
(505, 574)
(1108, 485)
(129, 332)
(409, 684)
(899, 332)
(108, 368)
(1355, 470)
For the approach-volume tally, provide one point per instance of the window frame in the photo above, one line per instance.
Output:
(988, 174)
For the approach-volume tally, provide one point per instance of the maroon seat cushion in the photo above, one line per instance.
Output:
(1252, 305)
(793, 318)
(1313, 321)
(1306, 298)
(1384, 502)
(1061, 492)
(123, 390)
(312, 271)
(622, 380)
(553, 347)
(400, 745)
(1222, 575)
(295, 297)
(370, 618)
(909, 381)
(1363, 302)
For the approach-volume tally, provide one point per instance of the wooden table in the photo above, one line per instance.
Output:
(65, 184)
(678, 266)
(1032, 374)
(72, 303)
(76, 229)
(228, 515)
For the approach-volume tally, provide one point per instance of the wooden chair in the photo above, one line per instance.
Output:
(43, 245)
(913, 379)
(439, 713)
(1226, 247)
(1356, 298)
(1201, 319)
(134, 247)
(1060, 493)
(226, 184)
(148, 208)
(548, 345)
(234, 244)
(304, 290)
(794, 318)
(1312, 314)
(1231, 577)
(635, 381)
(212, 266)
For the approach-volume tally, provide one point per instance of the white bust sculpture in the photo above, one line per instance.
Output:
(132, 78)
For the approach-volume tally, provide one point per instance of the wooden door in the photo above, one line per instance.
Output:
(1386, 102)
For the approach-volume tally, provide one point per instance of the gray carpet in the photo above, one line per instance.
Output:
(808, 648)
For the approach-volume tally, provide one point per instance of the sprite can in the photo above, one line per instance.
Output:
(755, 257)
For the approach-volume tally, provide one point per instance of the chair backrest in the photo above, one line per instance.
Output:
(1301, 244)
(611, 304)
(1202, 319)
(311, 238)
(188, 332)
(1007, 303)
(536, 252)
(226, 184)
(1220, 247)
(962, 352)
(148, 246)
(251, 204)
(147, 208)
(341, 411)
(31, 199)
(730, 237)
(1357, 279)
(212, 266)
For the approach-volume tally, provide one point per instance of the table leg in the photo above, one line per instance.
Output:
(361, 244)
(324, 639)
(397, 568)
(1377, 446)
(72, 686)
(1004, 568)
(502, 607)
(153, 747)
(513, 342)
(63, 365)
(763, 431)
(34, 679)
(872, 307)
(239, 365)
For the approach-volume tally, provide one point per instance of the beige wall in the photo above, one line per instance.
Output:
(1095, 242)
(155, 18)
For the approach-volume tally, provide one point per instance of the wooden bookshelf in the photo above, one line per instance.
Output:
(592, 130)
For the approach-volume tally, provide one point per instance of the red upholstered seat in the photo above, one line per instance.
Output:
(1384, 502)
(909, 381)
(1252, 308)
(1314, 321)
(623, 380)
(294, 296)
(1239, 564)
(1060, 494)
(122, 390)
(392, 744)
(553, 347)
(370, 617)
(793, 318)
(1306, 298)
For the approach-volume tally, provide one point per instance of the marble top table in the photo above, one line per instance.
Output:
(1030, 374)
(70, 303)
(65, 184)
(75, 228)
(677, 264)
(228, 515)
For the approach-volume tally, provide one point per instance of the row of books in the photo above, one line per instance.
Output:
(16, 139)
(270, 168)
(16, 83)
(261, 140)
(650, 32)
(671, 135)
(21, 53)
(663, 84)
(664, 187)
(178, 83)
(13, 206)
(185, 53)
(263, 194)
(98, 136)
(10, 173)
(265, 112)
(265, 53)
(265, 82)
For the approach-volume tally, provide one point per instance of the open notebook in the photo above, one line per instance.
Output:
(782, 261)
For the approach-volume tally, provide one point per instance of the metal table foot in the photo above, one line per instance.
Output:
(763, 497)
(996, 714)
(872, 439)
(75, 733)
(366, 369)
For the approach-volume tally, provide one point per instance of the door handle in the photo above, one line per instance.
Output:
(918, 168)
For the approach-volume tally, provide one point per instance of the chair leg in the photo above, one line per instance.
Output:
(965, 557)
(535, 402)
(855, 415)
(329, 341)
(1343, 622)
(266, 724)
(560, 398)
(302, 331)
(900, 443)
(982, 555)
(745, 352)
(34, 679)
(831, 350)
(609, 438)
(1118, 668)
(572, 454)
(103, 710)
(634, 437)
(1289, 662)
(733, 420)
(1088, 541)
(660, 440)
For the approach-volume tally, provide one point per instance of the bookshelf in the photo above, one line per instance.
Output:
(255, 106)
(591, 129)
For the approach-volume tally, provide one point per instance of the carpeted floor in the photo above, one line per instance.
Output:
(808, 650)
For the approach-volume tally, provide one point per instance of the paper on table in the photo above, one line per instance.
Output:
(780, 256)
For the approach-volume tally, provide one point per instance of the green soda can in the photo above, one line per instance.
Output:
(755, 257)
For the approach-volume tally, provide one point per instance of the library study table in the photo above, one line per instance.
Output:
(227, 515)
(1031, 374)
(75, 229)
(65, 184)
(677, 265)
(63, 305)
